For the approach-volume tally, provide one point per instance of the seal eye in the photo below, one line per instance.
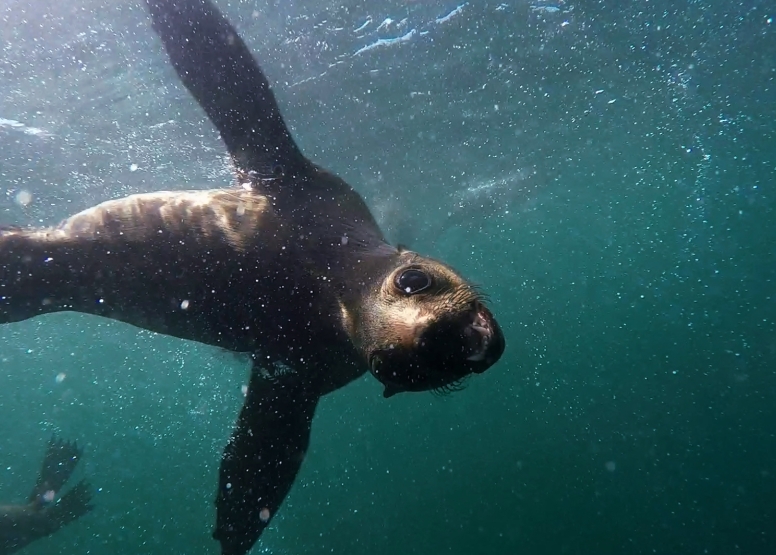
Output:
(413, 281)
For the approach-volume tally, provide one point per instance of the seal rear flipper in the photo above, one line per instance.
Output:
(58, 464)
(262, 458)
(219, 71)
(71, 506)
(23, 524)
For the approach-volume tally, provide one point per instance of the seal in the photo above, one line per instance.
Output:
(43, 514)
(288, 265)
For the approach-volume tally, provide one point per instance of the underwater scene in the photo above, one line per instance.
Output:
(548, 328)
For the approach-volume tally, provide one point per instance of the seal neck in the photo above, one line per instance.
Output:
(359, 294)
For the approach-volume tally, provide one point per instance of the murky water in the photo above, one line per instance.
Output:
(604, 169)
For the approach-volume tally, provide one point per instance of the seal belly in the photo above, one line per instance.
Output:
(191, 264)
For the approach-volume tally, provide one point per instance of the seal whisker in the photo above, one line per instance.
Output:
(450, 388)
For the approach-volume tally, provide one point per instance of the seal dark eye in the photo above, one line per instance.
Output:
(413, 281)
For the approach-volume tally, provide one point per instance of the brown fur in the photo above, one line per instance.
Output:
(390, 318)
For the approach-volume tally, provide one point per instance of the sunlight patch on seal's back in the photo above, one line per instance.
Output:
(233, 214)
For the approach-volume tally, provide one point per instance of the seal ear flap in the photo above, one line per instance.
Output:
(262, 459)
(219, 71)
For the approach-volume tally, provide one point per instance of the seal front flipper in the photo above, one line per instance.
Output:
(219, 71)
(263, 457)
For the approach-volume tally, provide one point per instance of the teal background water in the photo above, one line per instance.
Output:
(604, 169)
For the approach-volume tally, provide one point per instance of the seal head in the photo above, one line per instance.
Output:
(426, 328)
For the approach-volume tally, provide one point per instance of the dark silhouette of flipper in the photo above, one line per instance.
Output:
(220, 72)
(72, 505)
(262, 459)
(58, 465)
(41, 516)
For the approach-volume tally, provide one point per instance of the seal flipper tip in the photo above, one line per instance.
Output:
(58, 465)
(72, 505)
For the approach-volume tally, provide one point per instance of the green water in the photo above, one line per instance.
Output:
(624, 230)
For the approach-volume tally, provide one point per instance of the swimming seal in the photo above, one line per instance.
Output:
(44, 514)
(288, 265)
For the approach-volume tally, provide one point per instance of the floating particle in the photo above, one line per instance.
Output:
(264, 514)
(611, 466)
(133, 167)
(185, 304)
(244, 390)
(23, 198)
(60, 377)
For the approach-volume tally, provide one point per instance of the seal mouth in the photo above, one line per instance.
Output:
(479, 334)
